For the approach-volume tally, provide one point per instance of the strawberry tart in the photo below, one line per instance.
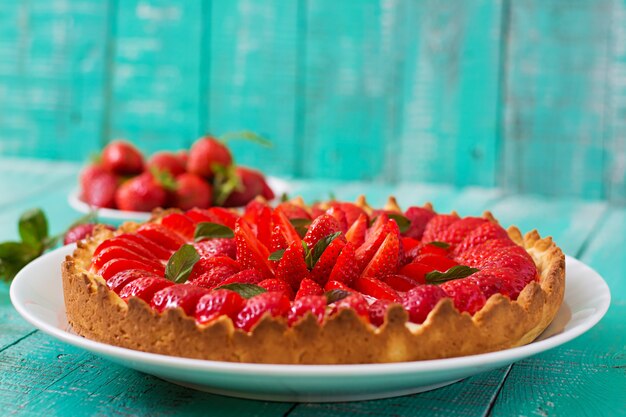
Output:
(334, 282)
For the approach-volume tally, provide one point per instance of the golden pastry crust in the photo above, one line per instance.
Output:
(97, 313)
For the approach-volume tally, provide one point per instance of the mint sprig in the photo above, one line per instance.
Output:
(442, 245)
(335, 295)
(208, 230)
(313, 255)
(181, 264)
(456, 272)
(245, 290)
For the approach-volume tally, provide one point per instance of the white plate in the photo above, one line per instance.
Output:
(37, 295)
(279, 186)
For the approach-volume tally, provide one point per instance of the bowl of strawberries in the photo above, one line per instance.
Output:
(123, 184)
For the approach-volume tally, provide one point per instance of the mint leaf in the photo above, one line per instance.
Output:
(333, 296)
(442, 245)
(456, 272)
(14, 256)
(33, 228)
(277, 255)
(181, 263)
(246, 135)
(300, 222)
(245, 290)
(316, 253)
(284, 198)
(208, 230)
(403, 222)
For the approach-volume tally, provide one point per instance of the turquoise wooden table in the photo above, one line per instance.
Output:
(40, 376)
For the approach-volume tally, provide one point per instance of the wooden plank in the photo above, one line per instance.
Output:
(52, 74)
(586, 376)
(448, 129)
(350, 81)
(156, 73)
(555, 97)
(252, 49)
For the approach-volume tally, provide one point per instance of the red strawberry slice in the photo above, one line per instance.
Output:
(201, 215)
(120, 252)
(321, 227)
(180, 224)
(275, 304)
(419, 218)
(259, 215)
(292, 267)
(436, 225)
(123, 241)
(378, 311)
(420, 301)
(430, 249)
(144, 288)
(278, 240)
(354, 302)
(154, 248)
(247, 276)
(351, 211)
(225, 216)
(475, 255)
(183, 296)
(409, 243)
(346, 268)
(375, 237)
(375, 288)
(324, 266)
(481, 234)
(400, 282)
(309, 287)
(218, 303)
(277, 285)
(386, 259)
(440, 263)
(416, 271)
(516, 258)
(356, 232)
(292, 211)
(496, 280)
(336, 285)
(251, 253)
(117, 265)
(466, 295)
(216, 247)
(309, 304)
(119, 280)
(283, 229)
(340, 216)
(162, 236)
(210, 272)
(457, 231)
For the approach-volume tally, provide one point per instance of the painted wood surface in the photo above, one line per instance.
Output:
(39, 375)
(528, 95)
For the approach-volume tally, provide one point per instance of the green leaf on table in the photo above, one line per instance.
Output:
(14, 256)
(335, 295)
(245, 290)
(456, 272)
(181, 263)
(208, 230)
(33, 228)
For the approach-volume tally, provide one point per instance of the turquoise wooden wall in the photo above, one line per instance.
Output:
(528, 95)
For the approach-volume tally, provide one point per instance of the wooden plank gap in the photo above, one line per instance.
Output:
(300, 90)
(293, 406)
(109, 71)
(39, 190)
(505, 36)
(493, 399)
(18, 340)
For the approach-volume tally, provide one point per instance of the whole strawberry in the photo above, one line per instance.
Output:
(142, 193)
(98, 186)
(121, 157)
(80, 232)
(168, 162)
(206, 153)
(191, 192)
(252, 183)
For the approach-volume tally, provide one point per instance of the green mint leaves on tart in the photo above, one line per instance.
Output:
(208, 230)
(181, 263)
(456, 272)
(442, 245)
(333, 296)
(245, 290)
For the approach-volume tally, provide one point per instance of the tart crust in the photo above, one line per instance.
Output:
(97, 313)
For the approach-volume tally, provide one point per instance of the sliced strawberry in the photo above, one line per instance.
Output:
(421, 300)
(336, 285)
(216, 247)
(283, 229)
(481, 234)
(251, 253)
(437, 225)
(440, 263)
(122, 241)
(210, 272)
(466, 295)
(346, 268)
(496, 280)
(225, 216)
(154, 248)
(430, 249)
(309, 287)
(378, 311)
(354, 302)
(416, 271)
(259, 215)
(340, 216)
(162, 236)
(375, 288)
(386, 259)
(278, 240)
(309, 304)
(183, 296)
(117, 265)
(292, 267)
(409, 243)
(120, 252)
(375, 237)
(218, 303)
(324, 266)
(275, 304)
(118, 281)
(356, 232)
(457, 231)
(180, 224)
(202, 215)
(277, 285)
(292, 211)
(321, 227)
(247, 276)
(351, 211)
(475, 255)
(516, 258)
(144, 288)
(419, 217)
(400, 282)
